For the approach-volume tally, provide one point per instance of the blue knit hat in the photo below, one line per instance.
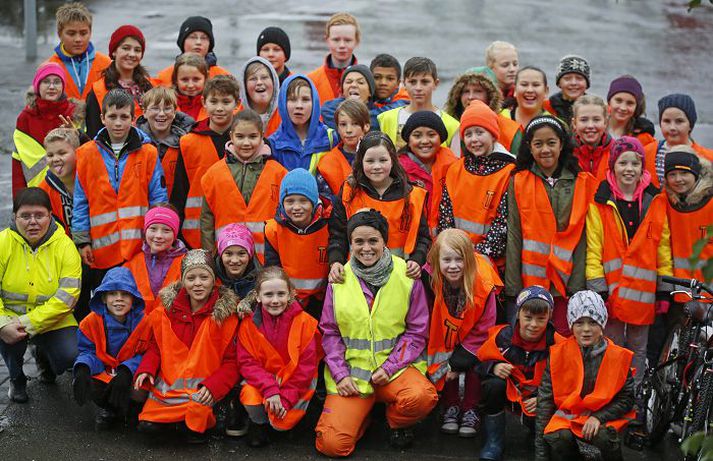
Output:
(301, 182)
(534, 292)
(679, 101)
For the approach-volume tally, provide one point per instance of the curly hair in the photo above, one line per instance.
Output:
(454, 106)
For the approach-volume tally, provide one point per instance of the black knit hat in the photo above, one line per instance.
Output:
(372, 218)
(685, 161)
(679, 101)
(277, 36)
(573, 64)
(424, 118)
(365, 71)
(192, 24)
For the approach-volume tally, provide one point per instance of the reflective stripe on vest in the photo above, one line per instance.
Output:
(32, 156)
(472, 227)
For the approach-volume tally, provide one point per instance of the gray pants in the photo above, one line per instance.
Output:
(563, 444)
(633, 337)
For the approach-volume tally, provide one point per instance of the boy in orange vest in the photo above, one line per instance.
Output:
(61, 145)
(573, 404)
(110, 343)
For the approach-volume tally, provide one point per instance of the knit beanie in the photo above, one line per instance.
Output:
(365, 71)
(193, 24)
(625, 144)
(127, 30)
(679, 101)
(587, 303)
(686, 161)
(44, 71)
(534, 292)
(626, 84)
(573, 64)
(277, 36)
(372, 218)
(479, 114)
(424, 118)
(162, 215)
(197, 258)
(299, 182)
(236, 234)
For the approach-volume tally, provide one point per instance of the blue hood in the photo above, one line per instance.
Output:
(118, 278)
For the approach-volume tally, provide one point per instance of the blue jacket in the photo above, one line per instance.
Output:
(118, 278)
(286, 146)
(330, 107)
(78, 66)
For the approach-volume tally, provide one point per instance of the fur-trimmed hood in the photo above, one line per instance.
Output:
(78, 111)
(701, 193)
(225, 306)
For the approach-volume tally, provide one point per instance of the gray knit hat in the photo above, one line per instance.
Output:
(587, 303)
(197, 258)
(573, 64)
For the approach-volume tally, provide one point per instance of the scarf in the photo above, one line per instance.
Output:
(376, 275)
(638, 193)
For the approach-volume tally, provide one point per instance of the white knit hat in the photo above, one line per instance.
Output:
(587, 303)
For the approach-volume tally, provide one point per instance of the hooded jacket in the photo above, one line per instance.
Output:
(116, 333)
(271, 118)
(181, 125)
(243, 285)
(699, 196)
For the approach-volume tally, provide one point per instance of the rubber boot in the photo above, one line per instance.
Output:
(494, 426)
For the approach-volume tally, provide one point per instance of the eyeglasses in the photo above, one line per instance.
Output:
(51, 82)
(37, 217)
(155, 110)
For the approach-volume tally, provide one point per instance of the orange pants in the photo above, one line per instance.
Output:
(409, 399)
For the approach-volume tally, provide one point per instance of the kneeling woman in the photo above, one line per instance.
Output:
(375, 329)
(191, 361)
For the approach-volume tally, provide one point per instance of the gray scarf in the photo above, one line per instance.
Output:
(376, 275)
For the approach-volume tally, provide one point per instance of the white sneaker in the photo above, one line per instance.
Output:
(450, 420)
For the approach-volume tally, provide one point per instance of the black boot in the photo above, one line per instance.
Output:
(104, 419)
(494, 426)
(236, 422)
(401, 438)
(47, 376)
(258, 435)
(18, 390)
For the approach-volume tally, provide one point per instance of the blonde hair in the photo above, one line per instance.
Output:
(343, 19)
(458, 241)
(72, 12)
(590, 100)
(158, 95)
(254, 67)
(192, 60)
(493, 48)
(68, 135)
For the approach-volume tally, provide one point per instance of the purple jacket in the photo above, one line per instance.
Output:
(159, 264)
(413, 340)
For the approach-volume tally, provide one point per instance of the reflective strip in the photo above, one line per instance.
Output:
(70, 282)
(563, 276)
(13, 296)
(192, 224)
(194, 202)
(440, 372)
(180, 384)
(104, 218)
(535, 246)
(169, 400)
(439, 357)
(19, 309)
(43, 298)
(66, 298)
(639, 273)
(636, 295)
(612, 287)
(132, 211)
(561, 253)
(599, 285)
(105, 241)
(35, 170)
(685, 264)
(255, 226)
(397, 252)
(472, 227)
(534, 271)
(365, 344)
(385, 344)
(129, 234)
(308, 284)
(612, 265)
(565, 415)
(302, 404)
(260, 248)
(360, 373)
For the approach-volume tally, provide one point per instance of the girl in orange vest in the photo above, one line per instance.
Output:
(380, 182)
(259, 91)
(235, 263)
(425, 160)
(627, 105)
(574, 401)
(548, 197)
(530, 94)
(188, 80)
(629, 249)
(591, 140)
(159, 262)
(278, 353)
(465, 287)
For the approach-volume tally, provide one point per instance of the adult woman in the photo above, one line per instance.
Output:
(377, 308)
(40, 273)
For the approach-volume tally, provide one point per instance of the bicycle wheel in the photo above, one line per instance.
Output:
(702, 413)
(662, 389)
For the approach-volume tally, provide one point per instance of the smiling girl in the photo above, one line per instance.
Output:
(592, 142)
(530, 93)
(627, 105)
(189, 76)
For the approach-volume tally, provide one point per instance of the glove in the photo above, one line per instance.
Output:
(661, 306)
(119, 388)
(81, 384)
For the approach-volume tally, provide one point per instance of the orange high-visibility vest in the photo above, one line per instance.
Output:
(323, 84)
(546, 252)
(303, 257)
(271, 126)
(168, 162)
(100, 62)
(228, 205)
(137, 266)
(100, 91)
(630, 266)
(444, 159)
(302, 332)
(334, 168)
(199, 154)
(447, 330)
(57, 208)
(403, 227)
(93, 328)
(163, 78)
(651, 149)
(508, 129)
(519, 388)
(116, 220)
(183, 369)
(567, 372)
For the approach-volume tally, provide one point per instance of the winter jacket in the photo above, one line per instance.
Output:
(158, 264)
(242, 286)
(560, 107)
(181, 125)
(328, 79)
(116, 333)
(329, 108)
(80, 71)
(398, 98)
(164, 77)
(40, 286)
(594, 159)
(389, 124)
(61, 199)
(699, 196)
(271, 118)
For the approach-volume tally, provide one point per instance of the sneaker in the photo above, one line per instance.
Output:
(469, 424)
(196, 438)
(104, 419)
(18, 390)
(401, 438)
(450, 420)
(236, 422)
(257, 435)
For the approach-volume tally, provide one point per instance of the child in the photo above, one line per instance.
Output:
(357, 83)
(243, 187)
(677, 117)
(200, 149)
(81, 64)
(513, 359)
(425, 159)
(188, 80)
(296, 239)
(302, 139)
(465, 287)
(420, 81)
(259, 92)
(61, 145)
(165, 125)
(592, 142)
(126, 48)
(502, 59)
(627, 105)
(109, 204)
(111, 341)
(278, 353)
(474, 196)
(159, 262)
(573, 402)
(387, 77)
(629, 249)
(547, 203)
(342, 35)
(195, 36)
(380, 182)
(236, 266)
(530, 92)
(273, 44)
(47, 108)
(190, 364)
(573, 78)
(352, 119)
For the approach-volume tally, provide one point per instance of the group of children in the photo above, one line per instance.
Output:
(212, 211)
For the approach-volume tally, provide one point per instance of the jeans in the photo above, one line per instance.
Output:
(59, 346)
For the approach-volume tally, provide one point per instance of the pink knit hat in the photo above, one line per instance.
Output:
(162, 215)
(625, 144)
(236, 234)
(45, 70)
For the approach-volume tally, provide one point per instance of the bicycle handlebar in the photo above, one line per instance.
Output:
(692, 284)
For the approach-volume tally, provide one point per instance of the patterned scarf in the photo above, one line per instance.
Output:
(377, 274)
